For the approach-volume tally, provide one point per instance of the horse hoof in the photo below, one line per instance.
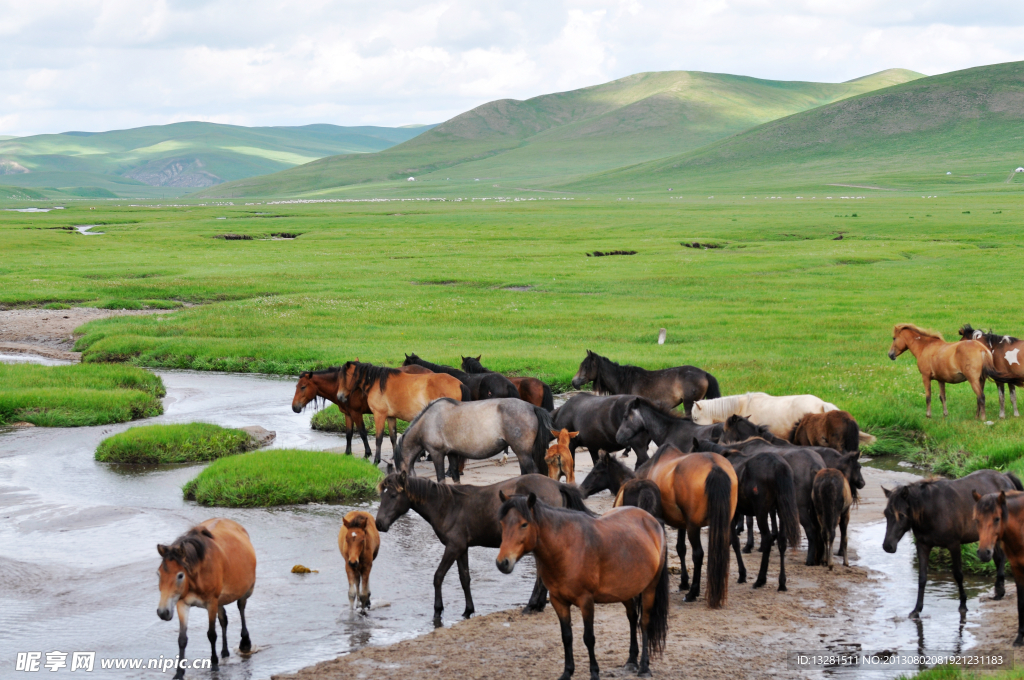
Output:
(215, 661)
(747, 550)
(742, 579)
(759, 583)
(245, 645)
(644, 674)
(782, 588)
(690, 598)
(468, 613)
(1019, 641)
(915, 615)
(225, 654)
(631, 667)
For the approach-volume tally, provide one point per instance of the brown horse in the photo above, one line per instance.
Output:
(323, 384)
(1000, 518)
(1006, 358)
(532, 390)
(834, 429)
(832, 499)
(359, 543)
(621, 556)
(210, 566)
(946, 362)
(392, 394)
(559, 460)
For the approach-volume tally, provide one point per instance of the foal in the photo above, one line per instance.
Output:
(559, 460)
(832, 500)
(359, 543)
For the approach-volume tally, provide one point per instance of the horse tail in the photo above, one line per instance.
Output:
(851, 435)
(466, 394)
(785, 503)
(718, 494)
(1015, 480)
(998, 376)
(657, 624)
(712, 392)
(542, 439)
(572, 498)
(547, 402)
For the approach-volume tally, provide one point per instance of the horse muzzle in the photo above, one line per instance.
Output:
(164, 613)
(381, 526)
(984, 555)
(505, 566)
(889, 546)
(576, 383)
(892, 355)
(296, 408)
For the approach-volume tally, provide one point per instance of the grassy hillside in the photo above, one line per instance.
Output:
(178, 157)
(641, 117)
(969, 123)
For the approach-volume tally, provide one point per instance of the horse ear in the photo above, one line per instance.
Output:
(479, 356)
(555, 433)
(1002, 498)
(886, 492)
(403, 477)
(162, 549)
(573, 434)
(856, 454)
(501, 496)
(390, 469)
(531, 500)
(975, 495)
(696, 444)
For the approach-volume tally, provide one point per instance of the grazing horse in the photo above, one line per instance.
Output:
(832, 500)
(324, 385)
(1005, 358)
(359, 544)
(779, 414)
(667, 387)
(392, 394)
(481, 385)
(466, 516)
(947, 362)
(532, 390)
(597, 421)
(1000, 520)
(559, 459)
(645, 419)
(834, 429)
(476, 429)
(940, 512)
(621, 556)
(210, 566)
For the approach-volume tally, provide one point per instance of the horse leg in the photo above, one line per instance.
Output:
(348, 435)
(364, 585)
(182, 637)
(684, 582)
(1000, 559)
(222, 614)
(810, 526)
(565, 623)
(539, 598)
(942, 398)
(766, 551)
(449, 557)
(693, 533)
(734, 540)
(927, 395)
(438, 458)
(749, 547)
(1002, 399)
(1013, 400)
(463, 564)
(958, 575)
(246, 644)
(379, 423)
(353, 584)
(634, 650)
(781, 542)
(923, 551)
(587, 610)
(978, 386)
(393, 434)
(211, 633)
(844, 523)
(641, 456)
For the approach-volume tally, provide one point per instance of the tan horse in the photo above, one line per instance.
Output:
(210, 566)
(947, 362)
(392, 394)
(359, 543)
(559, 459)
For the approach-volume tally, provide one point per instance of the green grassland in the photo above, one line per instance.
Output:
(781, 306)
(178, 443)
(331, 419)
(80, 395)
(630, 120)
(283, 477)
(170, 160)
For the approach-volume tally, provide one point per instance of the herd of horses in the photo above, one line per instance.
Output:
(787, 463)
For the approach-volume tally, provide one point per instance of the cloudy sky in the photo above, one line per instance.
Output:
(108, 64)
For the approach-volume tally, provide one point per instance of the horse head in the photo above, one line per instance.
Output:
(898, 516)
(354, 528)
(177, 568)
(519, 529)
(305, 392)
(394, 499)
(587, 371)
(411, 359)
(991, 514)
(631, 425)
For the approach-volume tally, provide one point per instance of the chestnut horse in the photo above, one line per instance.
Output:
(834, 429)
(359, 544)
(210, 566)
(1005, 357)
(532, 390)
(832, 500)
(1000, 518)
(621, 556)
(324, 385)
(392, 394)
(946, 362)
(559, 460)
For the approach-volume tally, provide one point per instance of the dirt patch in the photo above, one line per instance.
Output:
(50, 332)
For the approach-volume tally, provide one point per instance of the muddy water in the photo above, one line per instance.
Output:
(78, 549)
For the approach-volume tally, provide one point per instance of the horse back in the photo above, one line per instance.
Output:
(945, 515)
(233, 560)
(682, 485)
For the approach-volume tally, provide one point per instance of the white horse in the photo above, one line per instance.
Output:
(780, 414)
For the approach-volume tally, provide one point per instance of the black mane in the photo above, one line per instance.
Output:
(991, 338)
(436, 368)
(368, 375)
(610, 372)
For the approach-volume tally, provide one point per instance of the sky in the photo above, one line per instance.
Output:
(112, 64)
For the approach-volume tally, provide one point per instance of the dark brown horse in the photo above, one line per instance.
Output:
(645, 419)
(834, 429)
(596, 421)
(832, 500)
(481, 385)
(940, 512)
(532, 390)
(1005, 357)
(621, 556)
(465, 517)
(1000, 520)
(667, 387)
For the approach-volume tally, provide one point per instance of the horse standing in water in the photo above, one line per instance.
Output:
(1005, 357)
(359, 544)
(1000, 520)
(210, 566)
(531, 390)
(621, 556)
(667, 387)
(832, 500)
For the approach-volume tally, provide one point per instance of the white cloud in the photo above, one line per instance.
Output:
(106, 64)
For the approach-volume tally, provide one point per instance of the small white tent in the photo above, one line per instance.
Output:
(1019, 170)
(412, 179)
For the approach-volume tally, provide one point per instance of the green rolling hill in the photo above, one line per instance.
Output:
(558, 136)
(174, 159)
(968, 123)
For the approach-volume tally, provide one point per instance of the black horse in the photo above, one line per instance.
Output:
(481, 385)
(466, 516)
(644, 418)
(940, 512)
(597, 420)
(533, 390)
(609, 474)
(667, 387)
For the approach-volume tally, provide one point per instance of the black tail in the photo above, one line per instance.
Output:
(785, 503)
(718, 493)
(643, 494)
(1015, 481)
(827, 495)
(542, 439)
(657, 626)
(548, 401)
(851, 438)
(572, 498)
(466, 394)
(1005, 378)
(712, 392)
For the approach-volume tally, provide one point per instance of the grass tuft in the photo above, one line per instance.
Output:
(331, 419)
(182, 443)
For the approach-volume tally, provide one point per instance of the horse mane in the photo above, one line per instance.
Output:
(420, 489)
(624, 373)
(189, 549)
(522, 506)
(661, 411)
(722, 407)
(913, 495)
(427, 408)
(367, 375)
(917, 329)
(436, 368)
(473, 365)
(990, 336)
